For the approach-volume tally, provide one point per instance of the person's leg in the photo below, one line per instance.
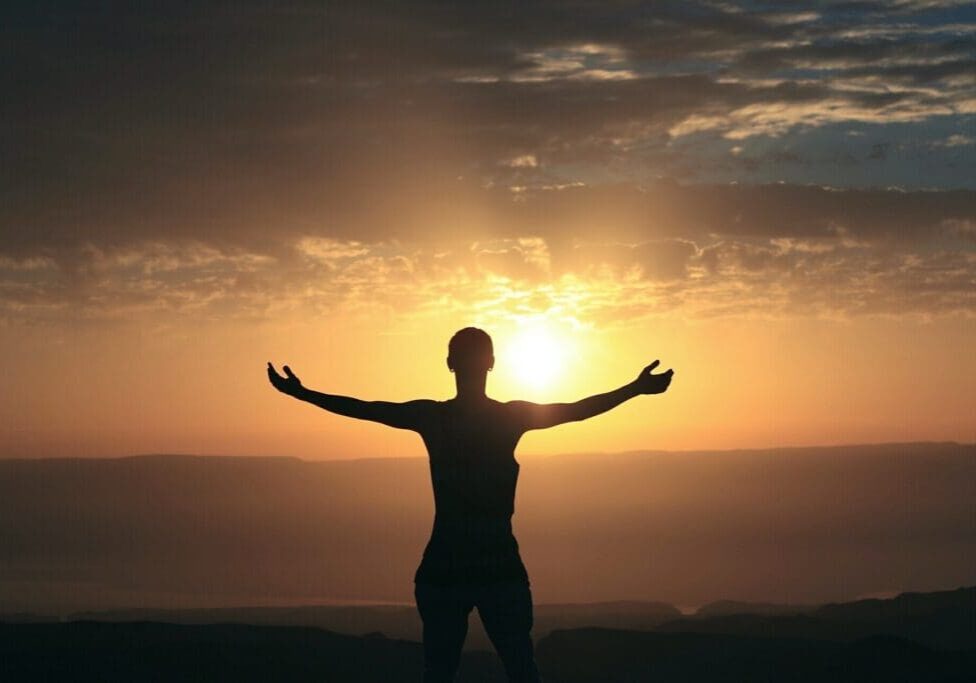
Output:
(444, 611)
(506, 612)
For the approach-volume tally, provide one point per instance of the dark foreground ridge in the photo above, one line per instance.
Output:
(591, 655)
(146, 651)
(916, 637)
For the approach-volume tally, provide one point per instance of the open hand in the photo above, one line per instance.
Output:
(290, 385)
(647, 383)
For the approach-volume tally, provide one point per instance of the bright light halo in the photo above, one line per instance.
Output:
(535, 356)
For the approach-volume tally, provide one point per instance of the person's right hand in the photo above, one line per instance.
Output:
(290, 385)
(647, 383)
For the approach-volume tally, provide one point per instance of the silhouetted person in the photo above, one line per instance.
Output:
(472, 558)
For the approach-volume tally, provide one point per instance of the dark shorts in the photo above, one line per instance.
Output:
(505, 608)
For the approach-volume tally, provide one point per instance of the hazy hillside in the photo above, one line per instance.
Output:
(796, 526)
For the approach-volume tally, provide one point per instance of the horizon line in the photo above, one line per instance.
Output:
(132, 456)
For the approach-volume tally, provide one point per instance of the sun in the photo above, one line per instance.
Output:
(535, 356)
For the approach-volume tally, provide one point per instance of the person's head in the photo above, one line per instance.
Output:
(470, 351)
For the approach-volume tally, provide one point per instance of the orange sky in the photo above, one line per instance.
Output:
(779, 205)
(197, 386)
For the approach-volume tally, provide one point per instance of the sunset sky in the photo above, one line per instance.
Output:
(779, 204)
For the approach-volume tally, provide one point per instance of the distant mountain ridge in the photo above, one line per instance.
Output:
(940, 620)
(910, 604)
(392, 621)
(724, 608)
(109, 652)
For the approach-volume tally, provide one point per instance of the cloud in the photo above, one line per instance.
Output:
(174, 112)
(598, 253)
(956, 140)
(522, 161)
(237, 160)
(330, 252)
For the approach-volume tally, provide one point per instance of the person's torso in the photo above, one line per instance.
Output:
(474, 475)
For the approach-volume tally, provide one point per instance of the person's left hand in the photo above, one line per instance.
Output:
(290, 385)
(647, 383)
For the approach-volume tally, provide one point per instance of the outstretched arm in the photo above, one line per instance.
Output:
(544, 415)
(407, 415)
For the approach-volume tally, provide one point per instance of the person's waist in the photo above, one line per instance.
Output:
(473, 523)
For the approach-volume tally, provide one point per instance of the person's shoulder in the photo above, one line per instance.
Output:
(517, 410)
(433, 406)
(517, 405)
(422, 413)
(424, 404)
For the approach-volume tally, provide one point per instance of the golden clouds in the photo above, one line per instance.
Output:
(596, 254)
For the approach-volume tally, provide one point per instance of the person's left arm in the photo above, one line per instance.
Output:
(545, 415)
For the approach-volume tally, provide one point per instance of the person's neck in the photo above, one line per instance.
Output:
(470, 389)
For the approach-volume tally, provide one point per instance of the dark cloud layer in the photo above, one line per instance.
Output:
(176, 157)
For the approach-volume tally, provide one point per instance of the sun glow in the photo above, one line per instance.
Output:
(535, 356)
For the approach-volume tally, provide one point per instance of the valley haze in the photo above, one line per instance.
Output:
(798, 526)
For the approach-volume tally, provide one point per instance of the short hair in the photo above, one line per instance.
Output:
(470, 343)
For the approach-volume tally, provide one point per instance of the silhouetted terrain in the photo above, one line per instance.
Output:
(945, 619)
(397, 621)
(942, 620)
(722, 608)
(143, 651)
(592, 655)
(804, 526)
(912, 637)
(781, 531)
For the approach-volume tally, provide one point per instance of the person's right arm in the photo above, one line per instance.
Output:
(408, 415)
